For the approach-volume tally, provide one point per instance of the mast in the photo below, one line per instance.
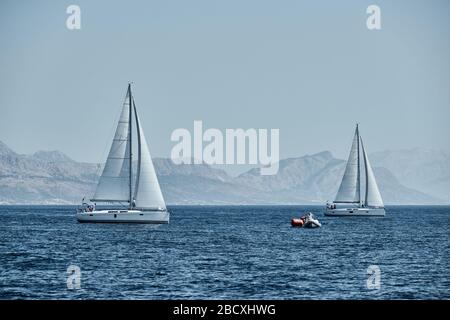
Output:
(131, 149)
(358, 183)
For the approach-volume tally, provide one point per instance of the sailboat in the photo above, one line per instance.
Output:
(348, 200)
(135, 199)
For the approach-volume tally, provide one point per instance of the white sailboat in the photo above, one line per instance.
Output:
(348, 200)
(138, 201)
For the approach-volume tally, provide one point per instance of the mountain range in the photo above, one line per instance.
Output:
(425, 170)
(405, 177)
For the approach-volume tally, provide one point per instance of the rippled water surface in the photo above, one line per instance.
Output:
(226, 253)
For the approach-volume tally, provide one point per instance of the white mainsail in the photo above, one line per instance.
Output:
(147, 191)
(349, 190)
(373, 196)
(114, 182)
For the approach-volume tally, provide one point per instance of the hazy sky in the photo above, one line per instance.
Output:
(310, 68)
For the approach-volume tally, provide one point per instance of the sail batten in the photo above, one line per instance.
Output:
(349, 188)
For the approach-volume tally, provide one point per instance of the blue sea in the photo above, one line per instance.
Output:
(226, 252)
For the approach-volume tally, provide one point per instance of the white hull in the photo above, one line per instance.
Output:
(355, 212)
(312, 224)
(124, 216)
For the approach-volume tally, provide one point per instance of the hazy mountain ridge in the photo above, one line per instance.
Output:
(316, 178)
(44, 177)
(52, 177)
(427, 170)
